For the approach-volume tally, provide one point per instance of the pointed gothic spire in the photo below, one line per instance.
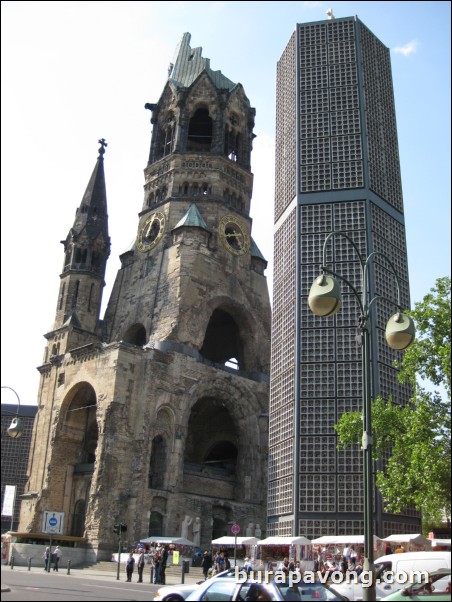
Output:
(91, 217)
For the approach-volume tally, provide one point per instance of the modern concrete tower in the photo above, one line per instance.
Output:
(157, 415)
(337, 169)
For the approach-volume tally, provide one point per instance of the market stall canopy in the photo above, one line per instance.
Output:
(342, 539)
(285, 541)
(231, 541)
(418, 539)
(440, 543)
(181, 541)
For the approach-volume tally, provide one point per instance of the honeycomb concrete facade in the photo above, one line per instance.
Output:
(337, 170)
(159, 411)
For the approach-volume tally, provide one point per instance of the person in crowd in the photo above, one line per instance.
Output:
(140, 566)
(46, 557)
(358, 567)
(157, 565)
(343, 564)
(399, 550)
(285, 566)
(227, 563)
(248, 566)
(130, 565)
(346, 552)
(352, 554)
(57, 554)
(163, 564)
(219, 563)
(206, 563)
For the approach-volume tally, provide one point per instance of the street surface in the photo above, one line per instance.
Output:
(80, 585)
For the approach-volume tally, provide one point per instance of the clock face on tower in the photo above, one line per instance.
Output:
(234, 235)
(151, 231)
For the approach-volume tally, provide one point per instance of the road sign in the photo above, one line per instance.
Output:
(235, 529)
(52, 522)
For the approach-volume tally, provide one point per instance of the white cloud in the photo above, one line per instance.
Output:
(408, 49)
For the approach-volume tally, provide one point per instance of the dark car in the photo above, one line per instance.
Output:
(233, 589)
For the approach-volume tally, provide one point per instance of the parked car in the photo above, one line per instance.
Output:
(436, 587)
(178, 593)
(388, 567)
(228, 588)
(175, 593)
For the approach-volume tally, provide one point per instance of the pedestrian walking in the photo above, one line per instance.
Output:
(57, 554)
(130, 565)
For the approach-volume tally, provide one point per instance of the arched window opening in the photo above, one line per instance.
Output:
(222, 458)
(205, 189)
(63, 288)
(169, 139)
(219, 528)
(157, 464)
(232, 144)
(91, 437)
(90, 299)
(185, 187)
(80, 257)
(213, 451)
(77, 286)
(81, 421)
(200, 132)
(136, 335)
(222, 339)
(155, 525)
(78, 519)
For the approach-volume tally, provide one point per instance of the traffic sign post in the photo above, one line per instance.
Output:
(235, 529)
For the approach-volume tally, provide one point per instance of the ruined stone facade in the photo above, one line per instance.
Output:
(160, 410)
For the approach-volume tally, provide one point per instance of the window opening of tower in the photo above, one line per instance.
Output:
(200, 132)
(222, 342)
(135, 335)
(157, 464)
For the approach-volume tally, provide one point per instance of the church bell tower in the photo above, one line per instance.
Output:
(157, 415)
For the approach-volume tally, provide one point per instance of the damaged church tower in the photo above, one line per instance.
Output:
(159, 411)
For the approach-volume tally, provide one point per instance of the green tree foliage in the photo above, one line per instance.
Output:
(416, 438)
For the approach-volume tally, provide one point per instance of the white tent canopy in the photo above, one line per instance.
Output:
(440, 542)
(181, 541)
(231, 541)
(342, 539)
(409, 538)
(285, 541)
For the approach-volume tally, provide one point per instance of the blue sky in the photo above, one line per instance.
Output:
(74, 72)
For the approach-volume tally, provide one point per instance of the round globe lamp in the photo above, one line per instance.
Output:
(325, 296)
(400, 331)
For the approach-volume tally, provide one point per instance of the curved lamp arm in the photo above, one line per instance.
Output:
(15, 430)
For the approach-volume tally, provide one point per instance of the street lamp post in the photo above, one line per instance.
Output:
(15, 430)
(324, 300)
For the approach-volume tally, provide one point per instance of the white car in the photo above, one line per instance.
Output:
(394, 572)
(178, 593)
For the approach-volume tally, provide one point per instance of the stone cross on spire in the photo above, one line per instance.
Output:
(103, 145)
